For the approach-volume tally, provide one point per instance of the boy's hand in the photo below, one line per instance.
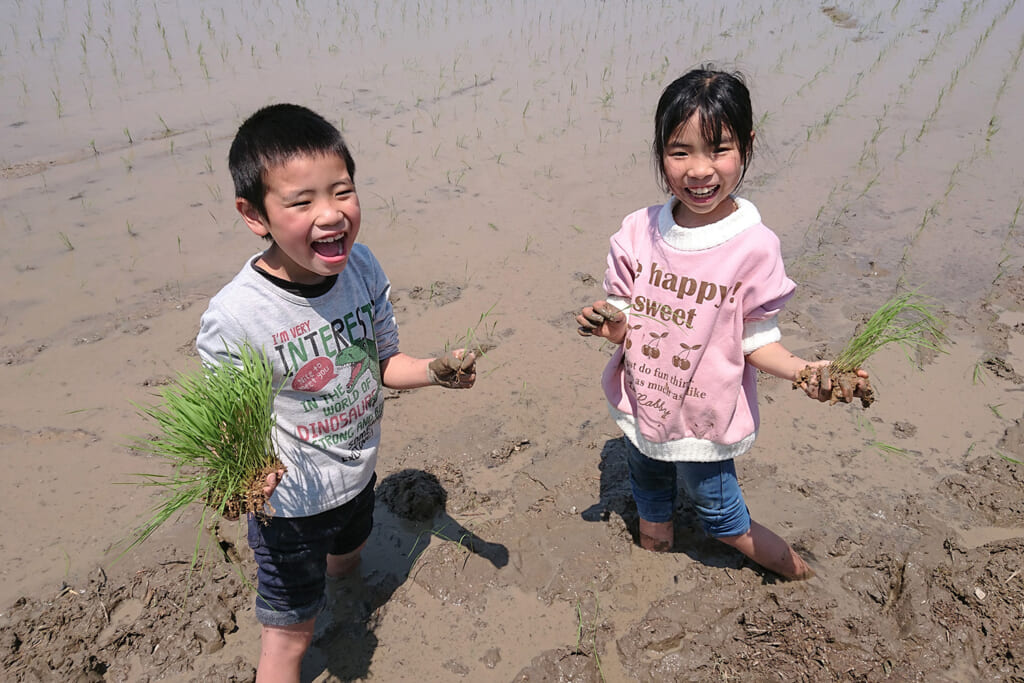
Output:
(604, 320)
(454, 370)
(273, 479)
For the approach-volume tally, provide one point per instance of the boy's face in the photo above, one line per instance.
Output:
(312, 214)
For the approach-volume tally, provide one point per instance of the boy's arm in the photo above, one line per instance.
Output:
(454, 370)
(776, 359)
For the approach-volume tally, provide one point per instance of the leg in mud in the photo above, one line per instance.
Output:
(723, 513)
(769, 550)
(343, 586)
(654, 490)
(344, 564)
(281, 652)
(656, 536)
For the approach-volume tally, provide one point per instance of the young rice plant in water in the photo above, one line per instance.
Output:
(216, 428)
(906, 319)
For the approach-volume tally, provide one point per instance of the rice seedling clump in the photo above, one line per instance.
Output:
(907, 320)
(216, 433)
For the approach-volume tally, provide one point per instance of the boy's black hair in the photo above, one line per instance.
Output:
(272, 136)
(722, 101)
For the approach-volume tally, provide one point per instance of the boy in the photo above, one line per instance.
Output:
(317, 303)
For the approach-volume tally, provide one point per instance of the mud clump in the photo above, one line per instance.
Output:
(413, 494)
(561, 664)
(844, 384)
(129, 628)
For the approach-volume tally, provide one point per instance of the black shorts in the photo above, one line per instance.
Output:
(291, 556)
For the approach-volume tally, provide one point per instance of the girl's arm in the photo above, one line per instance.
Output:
(776, 359)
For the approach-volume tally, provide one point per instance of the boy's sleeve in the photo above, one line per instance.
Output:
(218, 334)
(385, 327)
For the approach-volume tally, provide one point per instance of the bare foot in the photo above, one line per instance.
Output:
(656, 536)
(803, 570)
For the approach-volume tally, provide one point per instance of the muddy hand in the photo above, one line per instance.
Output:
(454, 370)
(815, 381)
(592, 318)
(863, 389)
(273, 479)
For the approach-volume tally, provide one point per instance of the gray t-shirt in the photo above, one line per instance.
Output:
(326, 351)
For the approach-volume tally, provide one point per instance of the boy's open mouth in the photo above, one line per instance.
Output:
(330, 247)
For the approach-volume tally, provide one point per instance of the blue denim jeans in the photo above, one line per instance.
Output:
(712, 486)
(291, 557)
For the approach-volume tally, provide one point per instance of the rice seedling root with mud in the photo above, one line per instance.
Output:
(908, 320)
(216, 433)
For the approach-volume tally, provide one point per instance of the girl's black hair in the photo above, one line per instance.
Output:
(722, 101)
(272, 136)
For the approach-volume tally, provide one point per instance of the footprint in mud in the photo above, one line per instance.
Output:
(586, 279)
(438, 292)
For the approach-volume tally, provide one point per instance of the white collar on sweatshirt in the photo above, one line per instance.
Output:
(706, 236)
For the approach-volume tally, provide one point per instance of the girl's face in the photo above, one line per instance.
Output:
(700, 175)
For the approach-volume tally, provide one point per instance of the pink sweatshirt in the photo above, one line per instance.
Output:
(699, 300)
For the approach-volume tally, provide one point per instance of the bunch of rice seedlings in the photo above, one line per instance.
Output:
(908, 320)
(216, 433)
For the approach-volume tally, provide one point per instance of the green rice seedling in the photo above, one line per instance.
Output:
(460, 543)
(978, 376)
(888, 449)
(66, 240)
(479, 338)
(591, 631)
(216, 426)
(59, 102)
(1008, 458)
(167, 131)
(907, 320)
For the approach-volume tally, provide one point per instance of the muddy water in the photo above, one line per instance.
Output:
(498, 145)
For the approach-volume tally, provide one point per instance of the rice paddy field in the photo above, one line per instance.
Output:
(498, 145)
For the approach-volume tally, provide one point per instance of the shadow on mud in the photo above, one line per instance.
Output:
(409, 517)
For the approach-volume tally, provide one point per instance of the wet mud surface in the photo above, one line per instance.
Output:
(498, 148)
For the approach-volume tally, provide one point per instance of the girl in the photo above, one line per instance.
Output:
(694, 289)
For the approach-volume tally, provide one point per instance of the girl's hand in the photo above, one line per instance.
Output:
(603, 320)
(817, 383)
(454, 370)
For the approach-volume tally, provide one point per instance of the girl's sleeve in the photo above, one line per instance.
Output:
(621, 272)
(766, 299)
